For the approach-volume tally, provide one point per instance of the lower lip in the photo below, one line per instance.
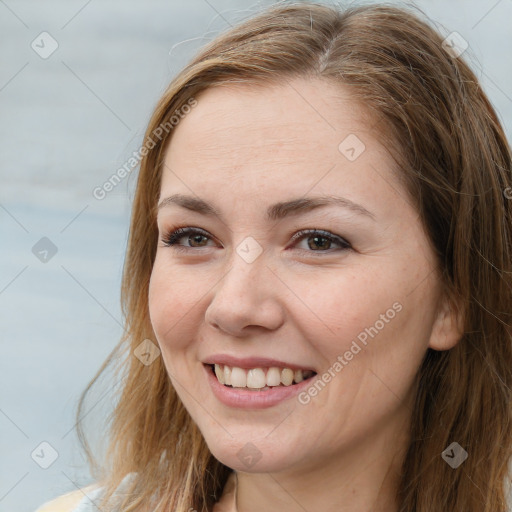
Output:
(253, 399)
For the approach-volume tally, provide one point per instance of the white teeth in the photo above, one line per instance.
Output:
(259, 378)
(286, 376)
(227, 375)
(238, 377)
(256, 378)
(220, 374)
(273, 376)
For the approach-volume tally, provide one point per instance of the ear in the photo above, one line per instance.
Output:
(448, 326)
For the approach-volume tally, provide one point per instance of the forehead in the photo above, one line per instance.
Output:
(287, 137)
(298, 116)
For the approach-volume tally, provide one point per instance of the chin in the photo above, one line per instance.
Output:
(248, 454)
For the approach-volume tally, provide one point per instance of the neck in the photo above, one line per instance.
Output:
(362, 478)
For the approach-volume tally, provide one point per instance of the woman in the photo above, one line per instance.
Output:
(317, 286)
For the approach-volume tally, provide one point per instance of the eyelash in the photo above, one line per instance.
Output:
(171, 238)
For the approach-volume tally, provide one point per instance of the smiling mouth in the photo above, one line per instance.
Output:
(258, 379)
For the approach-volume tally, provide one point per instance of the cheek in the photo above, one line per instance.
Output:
(335, 307)
(159, 300)
(370, 316)
(171, 305)
(371, 334)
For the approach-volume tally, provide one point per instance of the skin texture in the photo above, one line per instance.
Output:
(243, 148)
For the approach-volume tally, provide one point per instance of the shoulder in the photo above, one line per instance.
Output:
(74, 501)
(81, 500)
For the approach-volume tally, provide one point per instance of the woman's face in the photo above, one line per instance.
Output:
(355, 302)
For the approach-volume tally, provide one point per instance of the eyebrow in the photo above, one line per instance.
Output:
(274, 212)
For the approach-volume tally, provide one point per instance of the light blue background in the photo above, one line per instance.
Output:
(67, 124)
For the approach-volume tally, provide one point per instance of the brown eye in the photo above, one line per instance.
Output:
(196, 237)
(321, 241)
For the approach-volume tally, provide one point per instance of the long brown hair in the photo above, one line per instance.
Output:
(455, 162)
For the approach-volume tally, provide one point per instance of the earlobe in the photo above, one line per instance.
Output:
(448, 327)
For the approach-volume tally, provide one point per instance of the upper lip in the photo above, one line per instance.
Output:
(254, 362)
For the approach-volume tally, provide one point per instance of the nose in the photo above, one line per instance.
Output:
(246, 299)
